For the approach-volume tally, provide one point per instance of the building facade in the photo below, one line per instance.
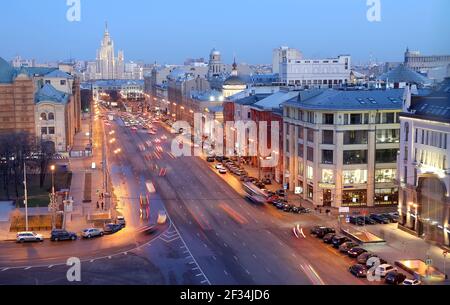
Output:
(341, 147)
(423, 165)
(324, 73)
(283, 54)
(415, 61)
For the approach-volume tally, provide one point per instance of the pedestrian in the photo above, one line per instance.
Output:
(103, 206)
(98, 205)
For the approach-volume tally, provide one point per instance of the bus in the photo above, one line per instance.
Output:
(255, 194)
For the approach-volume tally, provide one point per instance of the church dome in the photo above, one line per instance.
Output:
(234, 81)
(215, 52)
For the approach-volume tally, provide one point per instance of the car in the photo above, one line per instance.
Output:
(279, 205)
(267, 181)
(92, 232)
(364, 257)
(368, 220)
(356, 252)
(413, 282)
(219, 166)
(339, 240)
(219, 159)
(324, 231)
(120, 220)
(210, 159)
(243, 178)
(358, 270)
(356, 221)
(391, 218)
(296, 210)
(328, 238)
(281, 193)
(383, 269)
(379, 218)
(394, 278)
(347, 246)
(378, 261)
(61, 235)
(314, 230)
(23, 237)
(223, 171)
(287, 208)
(162, 217)
(304, 210)
(112, 228)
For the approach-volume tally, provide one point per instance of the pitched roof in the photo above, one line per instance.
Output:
(274, 101)
(59, 74)
(348, 100)
(435, 106)
(402, 74)
(7, 72)
(48, 93)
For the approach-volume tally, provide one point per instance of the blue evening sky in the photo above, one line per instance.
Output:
(170, 31)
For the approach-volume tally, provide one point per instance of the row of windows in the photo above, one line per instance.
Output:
(47, 130)
(47, 117)
(350, 177)
(350, 156)
(349, 118)
(430, 138)
(61, 82)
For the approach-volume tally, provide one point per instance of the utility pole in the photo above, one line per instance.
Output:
(25, 201)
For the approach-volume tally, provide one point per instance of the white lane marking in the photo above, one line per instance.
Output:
(51, 266)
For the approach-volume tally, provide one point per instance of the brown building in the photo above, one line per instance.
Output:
(16, 100)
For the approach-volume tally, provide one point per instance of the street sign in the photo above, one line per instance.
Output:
(429, 262)
(344, 210)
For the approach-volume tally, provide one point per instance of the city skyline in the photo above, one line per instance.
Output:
(144, 36)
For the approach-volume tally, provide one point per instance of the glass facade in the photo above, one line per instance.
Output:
(355, 198)
(355, 157)
(386, 156)
(328, 176)
(386, 196)
(388, 136)
(354, 177)
(327, 156)
(328, 137)
(353, 137)
(385, 175)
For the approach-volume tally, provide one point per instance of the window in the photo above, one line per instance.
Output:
(310, 135)
(355, 137)
(51, 130)
(310, 192)
(301, 150)
(301, 169)
(311, 117)
(301, 133)
(328, 176)
(43, 116)
(43, 130)
(63, 82)
(406, 131)
(354, 198)
(328, 119)
(386, 156)
(328, 137)
(385, 175)
(310, 154)
(51, 116)
(287, 145)
(388, 136)
(386, 196)
(48, 82)
(406, 153)
(310, 173)
(327, 157)
(386, 118)
(357, 176)
(356, 119)
(355, 157)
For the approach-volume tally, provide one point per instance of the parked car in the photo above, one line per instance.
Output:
(304, 210)
(379, 218)
(329, 238)
(384, 269)
(92, 232)
(218, 166)
(61, 235)
(112, 228)
(281, 193)
(339, 240)
(296, 210)
(223, 171)
(355, 252)
(314, 230)
(280, 205)
(390, 217)
(23, 237)
(324, 231)
(358, 270)
(267, 181)
(413, 282)
(210, 159)
(370, 262)
(356, 221)
(368, 220)
(364, 257)
(394, 278)
(347, 246)
(120, 220)
(287, 208)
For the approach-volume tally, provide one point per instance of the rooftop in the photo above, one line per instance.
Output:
(402, 74)
(348, 100)
(48, 93)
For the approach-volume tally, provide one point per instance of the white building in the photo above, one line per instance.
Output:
(108, 66)
(340, 147)
(423, 164)
(324, 73)
(283, 54)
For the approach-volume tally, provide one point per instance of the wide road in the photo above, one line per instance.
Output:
(234, 241)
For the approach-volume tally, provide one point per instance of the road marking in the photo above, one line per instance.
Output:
(196, 268)
(204, 282)
(235, 258)
(200, 274)
(248, 272)
(226, 273)
(5, 269)
(27, 268)
(51, 266)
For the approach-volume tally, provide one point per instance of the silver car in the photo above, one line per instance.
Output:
(23, 237)
(92, 232)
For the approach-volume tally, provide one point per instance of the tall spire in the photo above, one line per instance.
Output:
(106, 27)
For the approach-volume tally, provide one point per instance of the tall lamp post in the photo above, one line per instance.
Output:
(53, 203)
(25, 201)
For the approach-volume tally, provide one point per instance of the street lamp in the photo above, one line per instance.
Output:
(53, 204)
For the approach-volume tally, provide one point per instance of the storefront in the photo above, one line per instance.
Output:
(354, 198)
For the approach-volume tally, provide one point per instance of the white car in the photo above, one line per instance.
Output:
(92, 232)
(222, 171)
(414, 282)
(23, 237)
(219, 166)
(383, 270)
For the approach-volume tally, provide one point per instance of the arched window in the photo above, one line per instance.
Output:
(43, 116)
(51, 116)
